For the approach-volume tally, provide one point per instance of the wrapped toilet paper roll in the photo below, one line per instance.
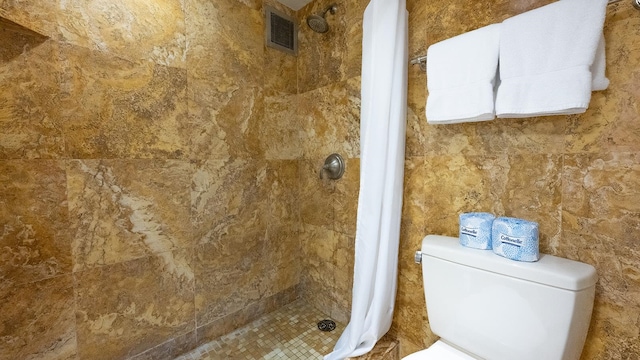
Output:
(515, 239)
(475, 230)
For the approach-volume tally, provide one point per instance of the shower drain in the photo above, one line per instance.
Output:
(326, 325)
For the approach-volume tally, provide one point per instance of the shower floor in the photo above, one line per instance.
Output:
(290, 332)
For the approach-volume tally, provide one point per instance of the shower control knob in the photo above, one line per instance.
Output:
(333, 166)
(418, 257)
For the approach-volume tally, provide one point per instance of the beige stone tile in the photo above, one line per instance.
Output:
(345, 199)
(319, 246)
(417, 140)
(282, 248)
(228, 200)
(410, 321)
(283, 192)
(127, 209)
(322, 58)
(281, 71)
(225, 66)
(229, 276)
(407, 347)
(613, 332)
(417, 27)
(127, 308)
(352, 63)
(500, 136)
(225, 41)
(170, 349)
(619, 46)
(316, 195)
(215, 329)
(438, 189)
(284, 264)
(318, 280)
(131, 30)
(533, 191)
(34, 217)
(542, 135)
(279, 128)
(113, 108)
(281, 68)
(444, 17)
(224, 120)
(330, 120)
(385, 349)
(30, 125)
(38, 320)
(600, 219)
(610, 123)
(39, 16)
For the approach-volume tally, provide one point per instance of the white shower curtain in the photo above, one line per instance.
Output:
(382, 143)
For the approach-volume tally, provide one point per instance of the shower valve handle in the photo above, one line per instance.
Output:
(333, 166)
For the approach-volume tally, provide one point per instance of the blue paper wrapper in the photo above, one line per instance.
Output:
(516, 239)
(475, 230)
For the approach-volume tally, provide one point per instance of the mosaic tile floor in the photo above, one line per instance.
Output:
(290, 332)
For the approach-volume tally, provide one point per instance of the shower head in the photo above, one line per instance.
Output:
(318, 23)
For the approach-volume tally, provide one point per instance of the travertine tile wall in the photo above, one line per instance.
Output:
(148, 176)
(329, 113)
(113, 139)
(578, 176)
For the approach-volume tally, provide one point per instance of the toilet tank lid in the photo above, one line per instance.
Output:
(549, 270)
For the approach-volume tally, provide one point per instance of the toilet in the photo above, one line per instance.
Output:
(484, 306)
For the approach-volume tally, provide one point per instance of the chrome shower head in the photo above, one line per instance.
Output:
(318, 23)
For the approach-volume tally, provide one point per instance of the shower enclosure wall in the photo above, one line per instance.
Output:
(159, 173)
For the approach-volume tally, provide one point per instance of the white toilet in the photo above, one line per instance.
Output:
(484, 306)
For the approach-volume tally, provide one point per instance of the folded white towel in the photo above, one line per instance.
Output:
(461, 74)
(548, 62)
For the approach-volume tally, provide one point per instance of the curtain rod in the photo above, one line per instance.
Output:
(422, 60)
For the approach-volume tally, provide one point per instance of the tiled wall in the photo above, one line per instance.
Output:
(578, 176)
(148, 176)
(329, 113)
(155, 178)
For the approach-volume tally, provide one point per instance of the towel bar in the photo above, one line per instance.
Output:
(635, 3)
(422, 60)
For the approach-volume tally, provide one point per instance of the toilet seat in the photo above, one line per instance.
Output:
(439, 351)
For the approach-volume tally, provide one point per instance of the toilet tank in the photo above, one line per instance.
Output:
(499, 309)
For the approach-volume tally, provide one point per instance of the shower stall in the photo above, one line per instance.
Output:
(159, 168)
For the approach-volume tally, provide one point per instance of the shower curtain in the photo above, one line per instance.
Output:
(382, 143)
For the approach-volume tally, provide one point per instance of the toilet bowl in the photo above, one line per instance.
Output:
(439, 351)
(485, 306)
